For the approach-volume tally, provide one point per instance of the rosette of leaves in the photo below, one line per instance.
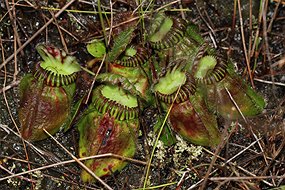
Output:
(227, 93)
(129, 61)
(166, 31)
(173, 38)
(109, 125)
(189, 115)
(133, 65)
(122, 36)
(46, 96)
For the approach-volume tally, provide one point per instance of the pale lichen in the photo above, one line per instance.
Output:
(39, 176)
(185, 153)
(160, 152)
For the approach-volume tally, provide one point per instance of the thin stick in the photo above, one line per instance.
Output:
(7, 105)
(157, 138)
(60, 33)
(227, 162)
(244, 45)
(205, 21)
(65, 30)
(245, 178)
(253, 151)
(93, 82)
(72, 161)
(258, 29)
(11, 85)
(20, 177)
(36, 34)
(250, 29)
(14, 25)
(102, 21)
(218, 149)
(79, 162)
(111, 24)
(273, 17)
(264, 27)
(237, 107)
(270, 82)
(166, 5)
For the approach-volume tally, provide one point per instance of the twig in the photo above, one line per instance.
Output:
(94, 79)
(102, 21)
(218, 149)
(65, 30)
(258, 29)
(264, 27)
(244, 45)
(11, 85)
(212, 33)
(13, 21)
(245, 178)
(167, 5)
(60, 33)
(79, 162)
(243, 150)
(279, 63)
(250, 30)
(270, 82)
(20, 177)
(273, 17)
(276, 154)
(8, 107)
(157, 138)
(253, 151)
(111, 24)
(229, 161)
(237, 107)
(36, 34)
(72, 161)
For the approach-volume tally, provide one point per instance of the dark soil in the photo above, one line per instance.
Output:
(258, 144)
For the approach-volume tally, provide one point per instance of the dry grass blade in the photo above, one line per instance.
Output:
(279, 63)
(244, 44)
(68, 162)
(94, 79)
(9, 86)
(7, 104)
(20, 177)
(229, 161)
(245, 178)
(274, 16)
(270, 82)
(36, 34)
(236, 106)
(225, 136)
(80, 163)
(157, 139)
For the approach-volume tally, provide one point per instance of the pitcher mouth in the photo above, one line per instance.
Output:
(120, 111)
(134, 57)
(57, 68)
(54, 79)
(175, 82)
(214, 75)
(168, 33)
(186, 90)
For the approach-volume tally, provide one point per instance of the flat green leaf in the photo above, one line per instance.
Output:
(96, 48)
(120, 44)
